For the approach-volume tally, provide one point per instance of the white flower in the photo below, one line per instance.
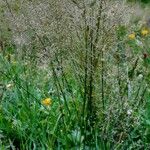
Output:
(139, 43)
(8, 86)
(129, 112)
(140, 76)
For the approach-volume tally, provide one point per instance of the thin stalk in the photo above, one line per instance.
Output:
(60, 87)
(102, 79)
(85, 71)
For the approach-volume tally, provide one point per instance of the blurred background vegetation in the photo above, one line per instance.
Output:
(141, 1)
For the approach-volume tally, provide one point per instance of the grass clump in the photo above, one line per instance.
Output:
(75, 78)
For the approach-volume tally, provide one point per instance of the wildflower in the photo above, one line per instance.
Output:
(129, 112)
(131, 36)
(144, 32)
(140, 76)
(26, 63)
(47, 101)
(139, 43)
(8, 86)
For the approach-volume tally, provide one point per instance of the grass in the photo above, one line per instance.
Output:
(93, 77)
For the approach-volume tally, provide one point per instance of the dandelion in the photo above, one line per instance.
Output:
(47, 101)
(144, 32)
(131, 36)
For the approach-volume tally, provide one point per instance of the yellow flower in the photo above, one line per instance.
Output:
(144, 32)
(131, 36)
(47, 101)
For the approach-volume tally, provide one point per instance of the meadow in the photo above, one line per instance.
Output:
(74, 75)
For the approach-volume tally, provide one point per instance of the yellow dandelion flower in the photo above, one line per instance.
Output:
(144, 32)
(131, 36)
(47, 101)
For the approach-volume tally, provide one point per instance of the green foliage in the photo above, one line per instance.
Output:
(143, 1)
(97, 85)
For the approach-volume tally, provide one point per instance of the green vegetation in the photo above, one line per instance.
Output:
(73, 76)
(142, 1)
